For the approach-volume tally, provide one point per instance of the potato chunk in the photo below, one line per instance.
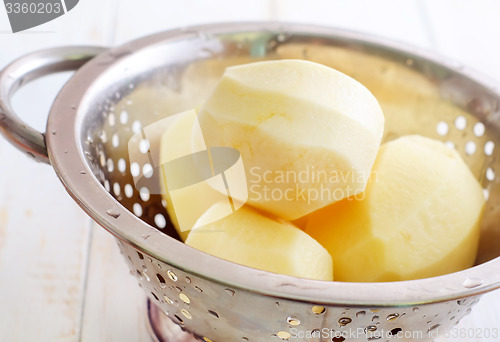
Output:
(251, 239)
(419, 217)
(308, 134)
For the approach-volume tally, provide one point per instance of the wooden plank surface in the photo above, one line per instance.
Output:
(63, 279)
(44, 235)
(114, 306)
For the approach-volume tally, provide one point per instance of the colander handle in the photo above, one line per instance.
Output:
(24, 70)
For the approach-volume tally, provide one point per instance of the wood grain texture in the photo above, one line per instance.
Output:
(114, 306)
(44, 235)
(42, 253)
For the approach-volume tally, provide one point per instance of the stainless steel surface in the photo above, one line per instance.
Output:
(141, 82)
(25, 70)
(163, 329)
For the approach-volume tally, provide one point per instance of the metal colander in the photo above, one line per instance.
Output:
(118, 92)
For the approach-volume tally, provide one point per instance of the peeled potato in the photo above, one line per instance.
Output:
(251, 239)
(181, 139)
(308, 134)
(419, 217)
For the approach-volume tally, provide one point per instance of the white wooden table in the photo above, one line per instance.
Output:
(61, 277)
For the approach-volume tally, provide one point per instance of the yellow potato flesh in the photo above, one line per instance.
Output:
(251, 239)
(185, 206)
(294, 122)
(419, 216)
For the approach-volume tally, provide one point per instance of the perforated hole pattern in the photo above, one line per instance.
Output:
(223, 314)
(214, 312)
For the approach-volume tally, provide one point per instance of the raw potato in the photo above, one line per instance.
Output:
(251, 239)
(181, 138)
(294, 122)
(419, 217)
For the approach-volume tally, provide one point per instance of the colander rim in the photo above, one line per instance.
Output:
(67, 158)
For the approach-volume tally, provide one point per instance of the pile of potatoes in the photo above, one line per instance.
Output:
(310, 191)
